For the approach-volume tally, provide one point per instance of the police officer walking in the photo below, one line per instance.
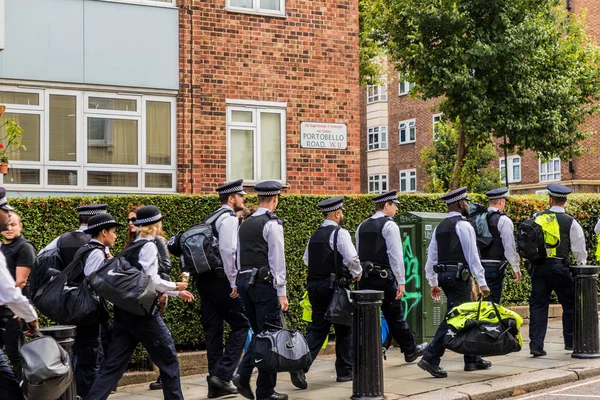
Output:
(502, 250)
(380, 251)
(220, 301)
(262, 286)
(553, 274)
(452, 256)
(332, 261)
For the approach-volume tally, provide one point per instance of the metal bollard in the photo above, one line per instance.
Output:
(586, 342)
(65, 337)
(367, 373)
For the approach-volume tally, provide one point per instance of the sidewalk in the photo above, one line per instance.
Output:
(513, 374)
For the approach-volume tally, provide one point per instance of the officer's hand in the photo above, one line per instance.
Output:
(32, 328)
(357, 278)
(400, 292)
(234, 294)
(181, 285)
(284, 303)
(485, 291)
(436, 293)
(518, 276)
(186, 296)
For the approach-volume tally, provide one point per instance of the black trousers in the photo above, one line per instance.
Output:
(216, 308)
(495, 281)
(457, 292)
(264, 312)
(546, 278)
(8, 384)
(12, 340)
(87, 353)
(319, 295)
(392, 310)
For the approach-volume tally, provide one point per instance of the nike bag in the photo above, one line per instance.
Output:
(47, 371)
(125, 285)
(487, 331)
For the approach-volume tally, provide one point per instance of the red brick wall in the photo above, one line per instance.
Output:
(308, 60)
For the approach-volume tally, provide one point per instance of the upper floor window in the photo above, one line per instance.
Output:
(92, 141)
(550, 170)
(514, 169)
(407, 131)
(404, 87)
(376, 93)
(272, 7)
(378, 183)
(437, 118)
(377, 138)
(408, 180)
(255, 140)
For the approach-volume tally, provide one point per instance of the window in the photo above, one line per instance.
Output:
(92, 141)
(550, 171)
(404, 87)
(407, 131)
(148, 2)
(408, 180)
(256, 141)
(272, 7)
(514, 169)
(376, 93)
(378, 183)
(377, 138)
(436, 118)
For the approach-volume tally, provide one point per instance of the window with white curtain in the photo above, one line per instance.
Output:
(92, 141)
(256, 141)
(378, 183)
(272, 7)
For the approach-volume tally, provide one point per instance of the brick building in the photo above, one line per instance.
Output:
(396, 128)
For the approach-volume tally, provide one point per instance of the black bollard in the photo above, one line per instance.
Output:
(586, 341)
(367, 371)
(65, 337)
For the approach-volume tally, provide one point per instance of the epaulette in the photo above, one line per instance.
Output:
(272, 215)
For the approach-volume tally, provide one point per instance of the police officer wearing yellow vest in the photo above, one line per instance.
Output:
(452, 256)
(552, 273)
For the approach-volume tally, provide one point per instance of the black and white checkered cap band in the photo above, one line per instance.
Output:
(272, 193)
(154, 218)
(456, 198)
(333, 208)
(111, 222)
(386, 199)
(235, 189)
(554, 194)
(92, 212)
(3, 201)
(498, 196)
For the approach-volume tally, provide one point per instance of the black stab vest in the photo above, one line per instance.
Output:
(69, 243)
(321, 262)
(372, 245)
(449, 248)
(495, 251)
(254, 249)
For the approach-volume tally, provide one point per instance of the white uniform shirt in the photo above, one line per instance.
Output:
(507, 234)
(344, 247)
(94, 259)
(597, 227)
(468, 242)
(148, 259)
(393, 242)
(577, 238)
(273, 234)
(227, 227)
(12, 297)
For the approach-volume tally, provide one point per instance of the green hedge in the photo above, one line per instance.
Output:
(46, 218)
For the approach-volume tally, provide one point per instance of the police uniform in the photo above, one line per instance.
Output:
(502, 249)
(261, 279)
(217, 306)
(451, 256)
(151, 331)
(380, 250)
(323, 252)
(553, 274)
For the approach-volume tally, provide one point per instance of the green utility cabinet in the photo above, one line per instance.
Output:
(422, 313)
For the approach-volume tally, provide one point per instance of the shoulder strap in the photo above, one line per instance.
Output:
(70, 271)
(214, 216)
(272, 215)
(130, 248)
(335, 252)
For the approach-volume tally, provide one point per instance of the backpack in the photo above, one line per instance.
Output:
(198, 246)
(538, 237)
(125, 285)
(478, 217)
(45, 262)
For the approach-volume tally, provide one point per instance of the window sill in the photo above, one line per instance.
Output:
(373, 150)
(258, 13)
(377, 101)
(144, 3)
(411, 142)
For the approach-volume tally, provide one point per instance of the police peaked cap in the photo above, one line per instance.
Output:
(101, 221)
(556, 190)
(332, 204)
(234, 187)
(147, 215)
(496, 194)
(455, 195)
(392, 195)
(92, 209)
(268, 188)
(3, 201)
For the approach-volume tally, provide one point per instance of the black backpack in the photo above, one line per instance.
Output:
(530, 240)
(45, 262)
(198, 246)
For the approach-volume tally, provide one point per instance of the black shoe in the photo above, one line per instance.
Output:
(299, 379)
(437, 372)
(218, 387)
(243, 387)
(538, 353)
(482, 364)
(276, 396)
(419, 350)
(156, 385)
(347, 378)
(570, 348)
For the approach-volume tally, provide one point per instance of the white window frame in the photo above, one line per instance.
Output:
(407, 87)
(383, 144)
(256, 9)
(435, 118)
(512, 160)
(410, 174)
(407, 125)
(553, 172)
(257, 107)
(381, 178)
(154, 3)
(379, 93)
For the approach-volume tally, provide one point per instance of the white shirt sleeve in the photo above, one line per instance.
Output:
(468, 242)
(432, 259)
(12, 297)
(578, 243)
(227, 226)
(51, 245)
(507, 234)
(347, 251)
(273, 234)
(305, 256)
(94, 261)
(597, 227)
(393, 242)
(148, 259)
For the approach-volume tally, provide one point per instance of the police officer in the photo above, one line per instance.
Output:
(380, 250)
(220, 300)
(502, 249)
(332, 260)
(451, 256)
(262, 286)
(553, 274)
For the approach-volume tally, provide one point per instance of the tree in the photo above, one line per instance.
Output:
(523, 69)
(439, 158)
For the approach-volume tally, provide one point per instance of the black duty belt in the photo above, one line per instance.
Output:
(445, 268)
(373, 270)
(257, 275)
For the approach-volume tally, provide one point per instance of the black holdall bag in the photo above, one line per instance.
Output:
(47, 369)
(281, 350)
(42, 269)
(340, 310)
